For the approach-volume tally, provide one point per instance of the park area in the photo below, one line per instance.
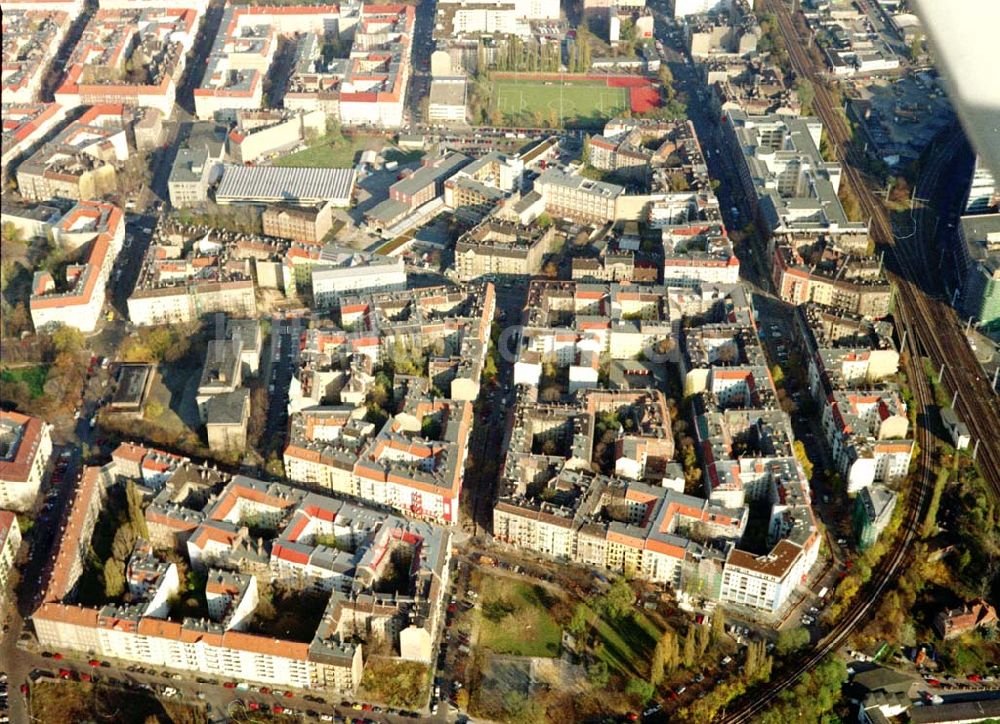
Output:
(588, 101)
(516, 618)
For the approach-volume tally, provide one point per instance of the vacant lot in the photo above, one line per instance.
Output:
(567, 102)
(396, 683)
(78, 702)
(515, 618)
(336, 152)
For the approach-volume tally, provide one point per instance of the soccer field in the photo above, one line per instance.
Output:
(535, 103)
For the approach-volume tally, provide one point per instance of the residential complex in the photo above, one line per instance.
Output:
(325, 546)
(78, 300)
(82, 161)
(344, 272)
(665, 537)
(25, 126)
(130, 56)
(182, 279)
(791, 187)
(414, 461)
(25, 448)
(817, 269)
(308, 224)
(366, 88)
(30, 41)
(499, 248)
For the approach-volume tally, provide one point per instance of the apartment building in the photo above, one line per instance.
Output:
(308, 224)
(866, 431)
(79, 300)
(10, 544)
(31, 41)
(157, 39)
(645, 536)
(181, 283)
(826, 274)
(300, 554)
(765, 582)
(844, 350)
(373, 86)
(979, 255)
(69, 559)
(563, 319)
(495, 248)
(24, 127)
(873, 508)
(196, 166)
(578, 198)
(81, 162)
(791, 187)
(344, 272)
(702, 252)
(402, 465)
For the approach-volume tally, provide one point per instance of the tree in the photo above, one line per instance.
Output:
(665, 657)
(641, 690)
(586, 149)
(757, 666)
(67, 339)
(619, 598)
(806, 93)
(578, 624)
(803, 457)
(690, 655)
(114, 578)
(718, 626)
(134, 500)
(11, 232)
(704, 639)
(543, 221)
(666, 78)
(123, 542)
(791, 639)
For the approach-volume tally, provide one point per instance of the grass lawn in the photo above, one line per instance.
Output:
(571, 102)
(33, 376)
(515, 618)
(395, 682)
(72, 702)
(626, 644)
(339, 152)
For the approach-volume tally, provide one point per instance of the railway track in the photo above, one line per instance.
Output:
(934, 321)
(930, 328)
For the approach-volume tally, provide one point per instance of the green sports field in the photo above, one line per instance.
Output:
(568, 103)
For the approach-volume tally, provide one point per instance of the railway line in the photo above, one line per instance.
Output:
(934, 321)
(929, 328)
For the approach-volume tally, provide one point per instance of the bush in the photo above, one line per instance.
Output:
(641, 690)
